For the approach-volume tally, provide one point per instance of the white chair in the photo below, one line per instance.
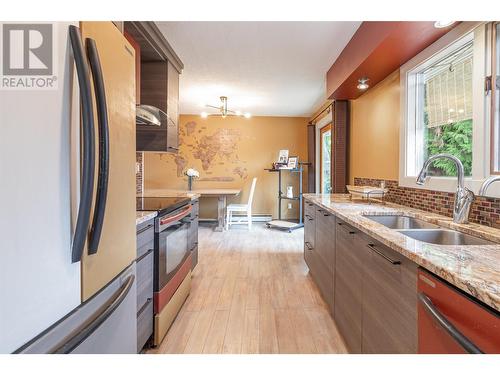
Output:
(245, 208)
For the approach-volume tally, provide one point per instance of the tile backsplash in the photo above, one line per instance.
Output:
(484, 210)
(139, 169)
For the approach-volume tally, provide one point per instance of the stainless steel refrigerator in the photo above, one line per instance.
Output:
(67, 186)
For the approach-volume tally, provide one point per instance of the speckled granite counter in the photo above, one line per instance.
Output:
(474, 269)
(143, 216)
(170, 193)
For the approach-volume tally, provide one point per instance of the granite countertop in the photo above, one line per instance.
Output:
(170, 193)
(473, 269)
(143, 216)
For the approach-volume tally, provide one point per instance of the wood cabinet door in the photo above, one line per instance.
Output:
(325, 237)
(172, 108)
(389, 301)
(349, 271)
(309, 227)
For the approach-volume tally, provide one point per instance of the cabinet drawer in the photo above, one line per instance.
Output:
(389, 301)
(193, 233)
(144, 279)
(325, 237)
(309, 224)
(145, 238)
(194, 257)
(196, 207)
(144, 325)
(309, 208)
(349, 284)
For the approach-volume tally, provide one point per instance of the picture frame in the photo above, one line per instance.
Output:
(283, 157)
(293, 162)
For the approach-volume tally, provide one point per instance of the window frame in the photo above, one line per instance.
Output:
(481, 124)
(493, 111)
(324, 121)
(322, 130)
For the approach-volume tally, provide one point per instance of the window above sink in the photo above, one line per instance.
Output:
(445, 109)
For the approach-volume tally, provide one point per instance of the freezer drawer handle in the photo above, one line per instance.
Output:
(176, 217)
(102, 119)
(86, 331)
(458, 336)
(390, 260)
(88, 147)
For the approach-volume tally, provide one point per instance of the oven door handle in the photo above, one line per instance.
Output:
(445, 324)
(176, 217)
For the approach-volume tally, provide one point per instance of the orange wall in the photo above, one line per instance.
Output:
(228, 153)
(374, 136)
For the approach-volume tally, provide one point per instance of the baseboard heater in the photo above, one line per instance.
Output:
(255, 218)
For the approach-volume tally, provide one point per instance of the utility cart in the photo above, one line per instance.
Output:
(286, 224)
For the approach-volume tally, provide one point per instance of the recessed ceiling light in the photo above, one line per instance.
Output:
(247, 115)
(442, 24)
(362, 85)
(204, 114)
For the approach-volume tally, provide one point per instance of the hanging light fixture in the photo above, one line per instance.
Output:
(362, 85)
(224, 111)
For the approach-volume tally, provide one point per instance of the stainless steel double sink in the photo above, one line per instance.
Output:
(426, 232)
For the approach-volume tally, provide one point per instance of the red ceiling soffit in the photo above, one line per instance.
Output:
(375, 51)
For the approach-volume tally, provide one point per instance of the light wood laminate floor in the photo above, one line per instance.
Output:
(251, 293)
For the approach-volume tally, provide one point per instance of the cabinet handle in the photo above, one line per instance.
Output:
(326, 214)
(390, 260)
(308, 245)
(145, 229)
(309, 217)
(349, 231)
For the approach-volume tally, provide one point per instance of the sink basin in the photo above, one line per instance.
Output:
(401, 222)
(445, 237)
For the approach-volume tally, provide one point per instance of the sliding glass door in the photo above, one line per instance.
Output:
(325, 156)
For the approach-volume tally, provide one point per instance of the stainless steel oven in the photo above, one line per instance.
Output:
(171, 253)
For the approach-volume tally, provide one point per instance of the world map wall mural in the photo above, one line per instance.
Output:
(228, 153)
(218, 147)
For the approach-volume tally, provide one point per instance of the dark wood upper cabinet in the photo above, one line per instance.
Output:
(158, 82)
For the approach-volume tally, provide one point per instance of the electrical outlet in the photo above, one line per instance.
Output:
(289, 206)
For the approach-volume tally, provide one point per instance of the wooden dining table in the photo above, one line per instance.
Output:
(221, 195)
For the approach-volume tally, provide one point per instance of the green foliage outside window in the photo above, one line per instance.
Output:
(455, 139)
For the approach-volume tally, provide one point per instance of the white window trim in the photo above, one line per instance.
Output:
(481, 134)
(320, 124)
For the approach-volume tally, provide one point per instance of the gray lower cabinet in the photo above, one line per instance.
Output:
(309, 225)
(370, 288)
(145, 274)
(349, 285)
(319, 249)
(193, 233)
(389, 301)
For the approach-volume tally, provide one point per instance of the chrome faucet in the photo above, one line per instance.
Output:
(463, 196)
(486, 183)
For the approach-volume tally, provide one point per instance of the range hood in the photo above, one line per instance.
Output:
(149, 115)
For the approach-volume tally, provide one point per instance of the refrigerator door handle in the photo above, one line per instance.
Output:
(445, 324)
(88, 147)
(103, 174)
(86, 331)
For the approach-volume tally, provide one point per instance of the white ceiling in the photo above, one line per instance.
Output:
(265, 68)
